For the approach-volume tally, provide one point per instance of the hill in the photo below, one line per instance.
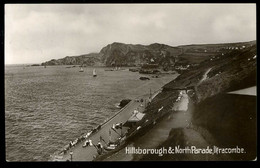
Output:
(227, 71)
(214, 117)
(218, 118)
(165, 56)
(119, 54)
(87, 59)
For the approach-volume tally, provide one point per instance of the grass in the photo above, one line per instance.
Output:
(221, 119)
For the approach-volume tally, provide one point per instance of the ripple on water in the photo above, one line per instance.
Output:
(46, 108)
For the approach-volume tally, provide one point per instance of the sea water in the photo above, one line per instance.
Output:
(45, 108)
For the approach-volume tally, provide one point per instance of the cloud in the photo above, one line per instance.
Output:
(42, 32)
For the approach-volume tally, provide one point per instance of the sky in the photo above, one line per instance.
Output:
(35, 33)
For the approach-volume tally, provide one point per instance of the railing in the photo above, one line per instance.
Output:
(117, 113)
(56, 154)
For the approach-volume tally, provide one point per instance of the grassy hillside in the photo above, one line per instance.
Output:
(218, 118)
(227, 72)
(120, 54)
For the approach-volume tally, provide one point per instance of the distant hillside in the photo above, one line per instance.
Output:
(198, 53)
(227, 72)
(120, 54)
(87, 59)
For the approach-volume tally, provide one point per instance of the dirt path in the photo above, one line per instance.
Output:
(180, 118)
(204, 77)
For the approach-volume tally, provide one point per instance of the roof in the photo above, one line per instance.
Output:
(136, 117)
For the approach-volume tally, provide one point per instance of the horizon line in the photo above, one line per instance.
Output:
(180, 45)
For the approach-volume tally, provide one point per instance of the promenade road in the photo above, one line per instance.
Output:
(87, 153)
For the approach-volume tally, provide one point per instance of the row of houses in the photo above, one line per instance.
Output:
(235, 48)
(182, 67)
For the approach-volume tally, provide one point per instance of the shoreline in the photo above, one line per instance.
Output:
(58, 156)
(178, 117)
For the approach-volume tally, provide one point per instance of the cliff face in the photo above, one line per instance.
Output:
(120, 54)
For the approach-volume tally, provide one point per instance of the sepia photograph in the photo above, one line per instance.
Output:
(130, 82)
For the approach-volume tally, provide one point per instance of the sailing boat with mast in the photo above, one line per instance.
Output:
(94, 73)
(81, 70)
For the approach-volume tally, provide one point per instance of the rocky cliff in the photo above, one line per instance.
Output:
(120, 54)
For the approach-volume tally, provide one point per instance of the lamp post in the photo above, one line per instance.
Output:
(71, 153)
(121, 131)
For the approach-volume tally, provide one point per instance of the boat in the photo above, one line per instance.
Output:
(94, 73)
(81, 70)
(115, 68)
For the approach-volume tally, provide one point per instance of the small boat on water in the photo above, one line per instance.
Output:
(81, 70)
(125, 131)
(115, 69)
(94, 73)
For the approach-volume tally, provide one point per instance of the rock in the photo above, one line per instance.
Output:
(151, 57)
(35, 65)
(144, 78)
(133, 69)
(124, 102)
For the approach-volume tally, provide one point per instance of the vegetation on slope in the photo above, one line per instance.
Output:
(120, 54)
(219, 119)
